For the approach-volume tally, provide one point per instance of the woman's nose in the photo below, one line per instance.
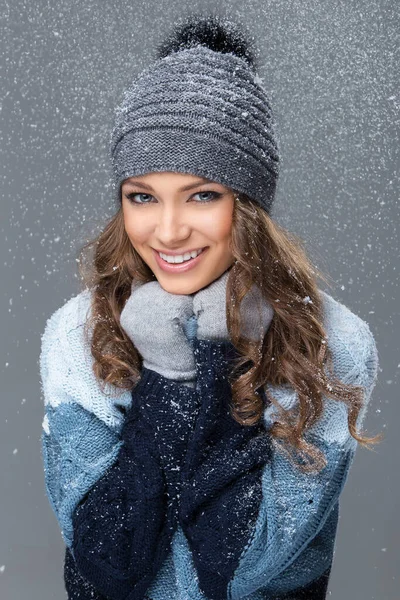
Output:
(172, 225)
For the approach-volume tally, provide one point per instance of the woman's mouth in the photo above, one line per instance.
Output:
(180, 267)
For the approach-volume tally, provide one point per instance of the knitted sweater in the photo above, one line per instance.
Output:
(237, 521)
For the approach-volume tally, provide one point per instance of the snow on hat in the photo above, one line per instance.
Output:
(200, 108)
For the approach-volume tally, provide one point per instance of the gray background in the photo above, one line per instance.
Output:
(330, 70)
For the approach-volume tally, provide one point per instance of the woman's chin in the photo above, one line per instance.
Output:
(187, 288)
(179, 288)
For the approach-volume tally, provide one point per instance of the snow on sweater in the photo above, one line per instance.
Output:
(290, 542)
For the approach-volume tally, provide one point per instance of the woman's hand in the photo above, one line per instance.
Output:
(154, 320)
(209, 306)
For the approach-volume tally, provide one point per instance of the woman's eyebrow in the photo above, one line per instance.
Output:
(182, 189)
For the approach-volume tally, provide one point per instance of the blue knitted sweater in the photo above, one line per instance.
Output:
(160, 494)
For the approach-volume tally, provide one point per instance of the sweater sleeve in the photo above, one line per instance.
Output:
(102, 474)
(252, 519)
(221, 478)
(80, 435)
(123, 527)
(76, 586)
(293, 540)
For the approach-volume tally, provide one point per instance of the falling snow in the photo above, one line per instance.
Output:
(331, 72)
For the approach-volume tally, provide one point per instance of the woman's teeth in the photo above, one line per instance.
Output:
(179, 258)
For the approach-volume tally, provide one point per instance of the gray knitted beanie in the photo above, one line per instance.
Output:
(199, 108)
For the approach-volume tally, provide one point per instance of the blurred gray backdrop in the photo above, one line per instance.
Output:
(330, 69)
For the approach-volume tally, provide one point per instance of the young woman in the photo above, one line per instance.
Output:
(203, 397)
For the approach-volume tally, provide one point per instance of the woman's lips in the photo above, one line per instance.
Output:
(178, 267)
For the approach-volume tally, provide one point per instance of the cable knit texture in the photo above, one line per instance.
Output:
(219, 507)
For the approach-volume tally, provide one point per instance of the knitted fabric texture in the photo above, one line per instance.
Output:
(221, 475)
(76, 586)
(150, 309)
(117, 522)
(123, 529)
(201, 112)
(290, 546)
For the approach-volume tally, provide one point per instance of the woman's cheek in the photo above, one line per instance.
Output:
(218, 224)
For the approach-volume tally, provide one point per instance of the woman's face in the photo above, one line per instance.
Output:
(160, 214)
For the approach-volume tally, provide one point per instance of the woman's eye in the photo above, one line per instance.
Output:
(132, 195)
(210, 196)
(214, 195)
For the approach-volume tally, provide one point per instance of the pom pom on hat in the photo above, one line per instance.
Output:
(217, 33)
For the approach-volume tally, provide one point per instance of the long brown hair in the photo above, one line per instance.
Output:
(292, 352)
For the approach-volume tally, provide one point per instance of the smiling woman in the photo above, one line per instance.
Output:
(173, 222)
(203, 395)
